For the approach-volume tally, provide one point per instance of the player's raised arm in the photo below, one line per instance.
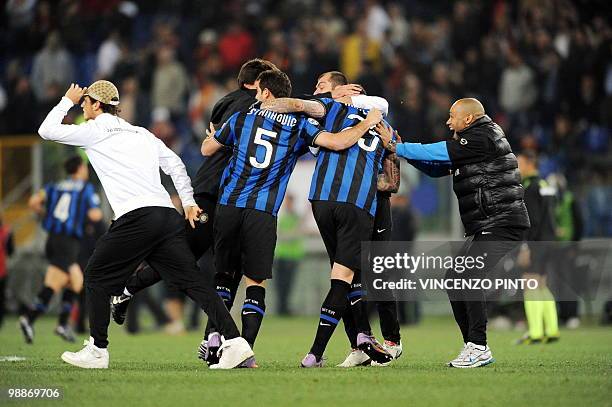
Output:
(71, 134)
(293, 105)
(346, 138)
(430, 160)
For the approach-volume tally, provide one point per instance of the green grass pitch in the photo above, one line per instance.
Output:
(153, 369)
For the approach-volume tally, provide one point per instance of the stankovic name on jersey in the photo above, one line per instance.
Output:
(285, 120)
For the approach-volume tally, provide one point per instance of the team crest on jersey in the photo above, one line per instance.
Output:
(313, 121)
(463, 141)
(203, 217)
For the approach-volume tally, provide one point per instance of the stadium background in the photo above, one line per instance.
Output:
(543, 70)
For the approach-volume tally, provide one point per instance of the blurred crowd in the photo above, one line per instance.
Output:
(542, 68)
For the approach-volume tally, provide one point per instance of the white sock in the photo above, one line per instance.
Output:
(126, 292)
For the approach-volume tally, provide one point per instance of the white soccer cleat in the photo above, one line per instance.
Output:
(90, 357)
(357, 357)
(232, 353)
(394, 349)
(474, 356)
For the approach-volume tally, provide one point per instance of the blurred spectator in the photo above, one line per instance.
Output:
(288, 254)
(169, 82)
(52, 70)
(236, 46)
(358, 48)
(108, 55)
(517, 89)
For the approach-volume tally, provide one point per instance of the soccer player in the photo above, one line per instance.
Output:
(147, 227)
(66, 205)
(388, 183)
(343, 195)
(486, 181)
(540, 305)
(206, 191)
(266, 146)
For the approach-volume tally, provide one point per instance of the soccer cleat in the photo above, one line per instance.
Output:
(250, 363)
(528, 340)
(26, 329)
(232, 353)
(119, 306)
(373, 349)
(203, 350)
(356, 358)
(65, 332)
(394, 348)
(459, 357)
(474, 356)
(207, 351)
(90, 357)
(310, 360)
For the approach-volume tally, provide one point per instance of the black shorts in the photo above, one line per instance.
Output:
(246, 236)
(383, 224)
(62, 251)
(343, 227)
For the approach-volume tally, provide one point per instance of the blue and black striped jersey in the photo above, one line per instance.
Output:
(266, 146)
(67, 203)
(349, 175)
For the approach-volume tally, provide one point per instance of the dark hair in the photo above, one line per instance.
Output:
(72, 164)
(250, 70)
(112, 109)
(277, 82)
(336, 78)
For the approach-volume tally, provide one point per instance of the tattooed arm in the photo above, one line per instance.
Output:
(389, 179)
(293, 105)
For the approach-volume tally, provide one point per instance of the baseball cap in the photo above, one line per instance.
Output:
(104, 92)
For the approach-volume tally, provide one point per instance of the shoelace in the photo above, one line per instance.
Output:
(87, 347)
(463, 352)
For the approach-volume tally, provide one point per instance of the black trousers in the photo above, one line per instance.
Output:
(199, 240)
(469, 307)
(155, 235)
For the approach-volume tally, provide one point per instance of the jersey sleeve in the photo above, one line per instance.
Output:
(310, 131)
(226, 135)
(70, 134)
(93, 199)
(326, 102)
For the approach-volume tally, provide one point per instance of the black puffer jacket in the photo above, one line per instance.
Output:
(489, 191)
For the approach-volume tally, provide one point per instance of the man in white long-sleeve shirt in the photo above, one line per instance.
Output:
(146, 226)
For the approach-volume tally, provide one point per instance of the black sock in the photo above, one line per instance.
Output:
(226, 289)
(253, 311)
(67, 299)
(333, 307)
(359, 307)
(40, 304)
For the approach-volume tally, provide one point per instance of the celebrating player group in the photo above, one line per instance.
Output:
(256, 136)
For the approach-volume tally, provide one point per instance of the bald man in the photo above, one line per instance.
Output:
(487, 183)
